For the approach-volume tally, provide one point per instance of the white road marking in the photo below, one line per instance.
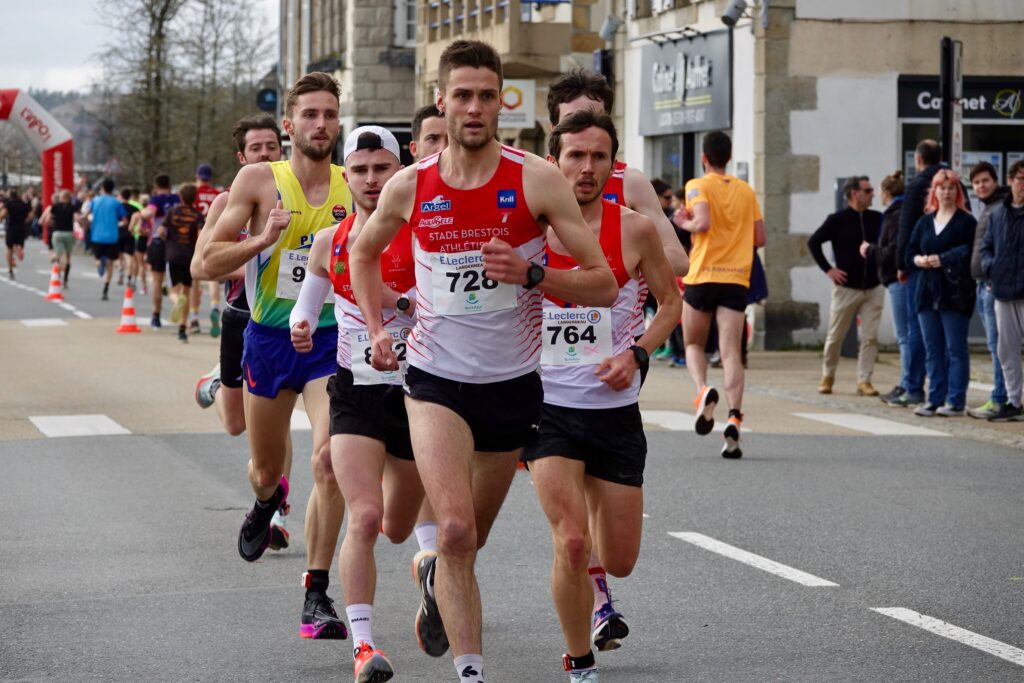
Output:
(961, 635)
(871, 425)
(63, 304)
(76, 425)
(762, 563)
(677, 421)
(300, 421)
(43, 322)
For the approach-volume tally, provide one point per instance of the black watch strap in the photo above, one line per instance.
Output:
(641, 355)
(534, 275)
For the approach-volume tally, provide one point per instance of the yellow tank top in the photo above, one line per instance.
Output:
(273, 279)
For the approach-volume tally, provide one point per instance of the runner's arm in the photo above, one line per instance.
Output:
(393, 208)
(316, 287)
(644, 200)
(198, 271)
(760, 236)
(549, 195)
(657, 272)
(223, 253)
(699, 221)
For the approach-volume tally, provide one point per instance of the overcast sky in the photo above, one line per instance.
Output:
(51, 44)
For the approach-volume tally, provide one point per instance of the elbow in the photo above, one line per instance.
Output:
(609, 290)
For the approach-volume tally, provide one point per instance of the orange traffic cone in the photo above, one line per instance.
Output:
(54, 293)
(128, 323)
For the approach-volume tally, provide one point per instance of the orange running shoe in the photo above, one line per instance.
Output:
(371, 666)
(705, 404)
(731, 449)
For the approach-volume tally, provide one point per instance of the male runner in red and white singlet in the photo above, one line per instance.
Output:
(473, 394)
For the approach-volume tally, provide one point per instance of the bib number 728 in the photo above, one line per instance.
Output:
(470, 279)
(571, 334)
(398, 348)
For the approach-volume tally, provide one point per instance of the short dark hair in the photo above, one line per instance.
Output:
(578, 122)
(1015, 168)
(660, 186)
(473, 53)
(107, 185)
(430, 111)
(571, 85)
(717, 148)
(187, 192)
(984, 167)
(929, 151)
(126, 193)
(852, 184)
(162, 180)
(254, 122)
(311, 82)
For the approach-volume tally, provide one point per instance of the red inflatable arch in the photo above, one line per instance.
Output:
(50, 139)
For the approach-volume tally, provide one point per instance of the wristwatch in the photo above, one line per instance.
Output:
(642, 359)
(403, 304)
(534, 275)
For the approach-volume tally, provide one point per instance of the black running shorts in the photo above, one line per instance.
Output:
(108, 251)
(15, 236)
(231, 339)
(502, 416)
(181, 274)
(708, 296)
(609, 441)
(125, 242)
(376, 411)
(141, 242)
(156, 256)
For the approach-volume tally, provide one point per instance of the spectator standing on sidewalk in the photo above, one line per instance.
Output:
(940, 250)
(855, 285)
(1002, 262)
(886, 257)
(985, 182)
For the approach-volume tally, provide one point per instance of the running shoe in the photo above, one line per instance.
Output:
(677, 362)
(254, 536)
(193, 327)
(906, 399)
(588, 676)
(715, 360)
(182, 335)
(371, 665)
(278, 532)
(705, 404)
(662, 353)
(926, 410)
(178, 310)
(319, 620)
(731, 448)
(106, 292)
(214, 323)
(206, 387)
(154, 321)
(950, 411)
(101, 267)
(1008, 413)
(430, 633)
(608, 628)
(896, 392)
(985, 411)
(120, 279)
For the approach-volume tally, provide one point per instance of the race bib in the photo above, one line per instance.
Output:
(460, 288)
(576, 336)
(362, 347)
(291, 272)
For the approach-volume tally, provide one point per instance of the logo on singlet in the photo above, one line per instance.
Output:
(506, 199)
(337, 250)
(612, 197)
(436, 221)
(438, 203)
(339, 212)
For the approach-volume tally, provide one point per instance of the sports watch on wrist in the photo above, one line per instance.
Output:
(403, 304)
(534, 275)
(641, 356)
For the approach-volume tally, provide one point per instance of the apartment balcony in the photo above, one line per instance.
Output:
(530, 37)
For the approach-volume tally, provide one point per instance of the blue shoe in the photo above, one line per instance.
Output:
(609, 628)
(906, 400)
(102, 267)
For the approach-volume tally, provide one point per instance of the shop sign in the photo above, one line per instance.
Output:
(985, 97)
(686, 85)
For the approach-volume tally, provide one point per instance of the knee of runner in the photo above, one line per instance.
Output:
(619, 566)
(265, 478)
(397, 531)
(234, 426)
(456, 537)
(573, 548)
(365, 523)
(321, 462)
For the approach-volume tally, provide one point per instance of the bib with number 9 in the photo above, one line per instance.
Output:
(290, 273)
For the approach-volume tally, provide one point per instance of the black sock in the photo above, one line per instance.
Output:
(271, 504)
(735, 413)
(319, 579)
(67, 269)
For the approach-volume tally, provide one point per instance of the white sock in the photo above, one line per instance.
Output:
(599, 582)
(470, 668)
(360, 623)
(426, 536)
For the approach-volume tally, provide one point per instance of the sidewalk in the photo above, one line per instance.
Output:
(780, 383)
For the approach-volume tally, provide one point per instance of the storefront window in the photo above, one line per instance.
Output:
(668, 159)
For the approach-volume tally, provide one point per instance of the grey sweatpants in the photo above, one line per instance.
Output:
(1010, 323)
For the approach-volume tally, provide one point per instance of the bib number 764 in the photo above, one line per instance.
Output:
(571, 334)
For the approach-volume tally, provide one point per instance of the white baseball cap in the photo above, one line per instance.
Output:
(376, 138)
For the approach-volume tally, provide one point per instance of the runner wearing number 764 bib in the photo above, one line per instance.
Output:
(477, 211)
(369, 428)
(588, 464)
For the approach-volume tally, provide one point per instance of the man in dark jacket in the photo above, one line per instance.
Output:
(855, 286)
(985, 182)
(1002, 262)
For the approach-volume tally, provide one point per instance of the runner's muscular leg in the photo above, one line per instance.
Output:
(269, 420)
(616, 514)
(359, 462)
(695, 330)
(228, 401)
(560, 489)
(493, 473)
(403, 497)
(731, 327)
(443, 445)
(326, 506)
